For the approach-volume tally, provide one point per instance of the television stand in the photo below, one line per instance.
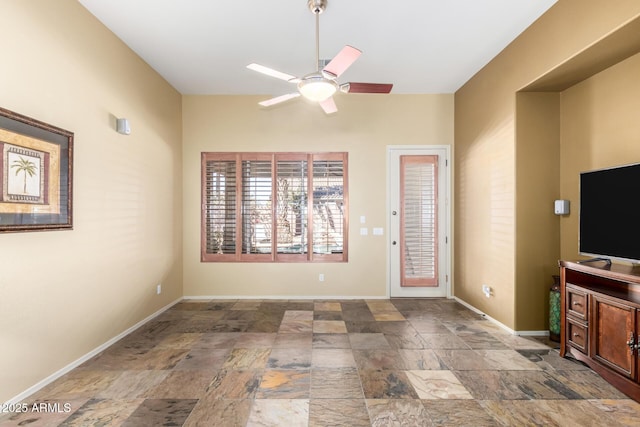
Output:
(600, 321)
(586, 261)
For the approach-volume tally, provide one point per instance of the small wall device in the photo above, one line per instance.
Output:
(122, 126)
(561, 207)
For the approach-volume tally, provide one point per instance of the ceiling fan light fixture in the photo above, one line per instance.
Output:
(317, 88)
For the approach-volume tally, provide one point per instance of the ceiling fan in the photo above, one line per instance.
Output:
(320, 85)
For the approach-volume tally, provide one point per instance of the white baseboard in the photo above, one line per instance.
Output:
(501, 325)
(533, 333)
(28, 392)
(282, 297)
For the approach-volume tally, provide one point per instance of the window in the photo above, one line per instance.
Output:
(282, 207)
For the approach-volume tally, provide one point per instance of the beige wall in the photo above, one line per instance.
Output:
(495, 187)
(537, 186)
(363, 127)
(600, 128)
(64, 293)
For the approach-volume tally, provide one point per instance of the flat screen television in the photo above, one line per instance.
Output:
(610, 213)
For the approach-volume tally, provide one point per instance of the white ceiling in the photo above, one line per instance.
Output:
(421, 46)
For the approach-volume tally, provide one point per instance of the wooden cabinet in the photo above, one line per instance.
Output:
(601, 322)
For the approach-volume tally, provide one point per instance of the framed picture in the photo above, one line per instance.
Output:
(36, 175)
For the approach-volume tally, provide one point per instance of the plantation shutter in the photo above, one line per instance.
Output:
(257, 210)
(282, 207)
(328, 206)
(219, 203)
(419, 224)
(291, 210)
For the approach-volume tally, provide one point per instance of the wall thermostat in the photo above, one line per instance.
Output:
(561, 207)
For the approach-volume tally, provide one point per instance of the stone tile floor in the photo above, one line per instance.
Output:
(399, 362)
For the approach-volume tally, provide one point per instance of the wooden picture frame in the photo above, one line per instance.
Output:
(36, 175)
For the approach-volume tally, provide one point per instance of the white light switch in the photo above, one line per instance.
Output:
(363, 219)
(364, 231)
(378, 231)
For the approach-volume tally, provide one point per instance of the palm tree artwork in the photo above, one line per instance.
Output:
(27, 167)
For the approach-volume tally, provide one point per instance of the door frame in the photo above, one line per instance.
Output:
(446, 221)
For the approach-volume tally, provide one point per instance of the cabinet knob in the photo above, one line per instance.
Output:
(632, 344)
(576, 303)
(576, 335)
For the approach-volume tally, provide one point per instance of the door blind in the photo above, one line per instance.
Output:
(419, 222)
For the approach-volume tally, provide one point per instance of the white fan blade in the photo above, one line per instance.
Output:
(342, 61)
(329, 105)
(273, 73)
(279, 99)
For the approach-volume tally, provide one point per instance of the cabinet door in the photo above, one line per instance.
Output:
(612, 324)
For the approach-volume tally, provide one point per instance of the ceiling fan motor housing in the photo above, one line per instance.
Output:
(317, 6)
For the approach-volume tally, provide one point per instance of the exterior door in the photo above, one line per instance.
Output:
(418, 222)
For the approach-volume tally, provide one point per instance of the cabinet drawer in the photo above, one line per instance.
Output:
(577, 304)
(577, 335)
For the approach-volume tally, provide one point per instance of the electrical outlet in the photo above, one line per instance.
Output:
(159, 289)
(321, 277)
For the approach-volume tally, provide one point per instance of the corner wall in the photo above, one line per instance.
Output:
(489, 217)
(537, 186)
(64, 293)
